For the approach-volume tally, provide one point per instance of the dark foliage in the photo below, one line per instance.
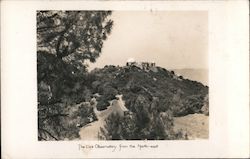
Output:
(65, 40)
(77, 35)
(182, 96)
(153, 103)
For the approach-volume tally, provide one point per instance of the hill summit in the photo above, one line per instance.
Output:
(183, 96)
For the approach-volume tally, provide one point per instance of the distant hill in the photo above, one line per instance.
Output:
(200, 75)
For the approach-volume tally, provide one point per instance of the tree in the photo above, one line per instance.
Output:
(147, 121)
(74, 36)
(118, 128)
(65, 40)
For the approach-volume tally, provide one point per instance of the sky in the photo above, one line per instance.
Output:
(172, 39)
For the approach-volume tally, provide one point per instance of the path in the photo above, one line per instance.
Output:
(90, 131)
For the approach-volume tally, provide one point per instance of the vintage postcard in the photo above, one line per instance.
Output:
(124, 79)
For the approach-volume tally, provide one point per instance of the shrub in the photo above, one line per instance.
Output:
(205, 107)
(108, 94)
(145, 122)
(102, 104)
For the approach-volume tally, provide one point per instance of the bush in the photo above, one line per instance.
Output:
(205, 107)
(146, 122)
(58, 121)
(108, 94)
(102, 104)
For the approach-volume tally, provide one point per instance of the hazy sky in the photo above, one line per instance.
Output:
(172, 39)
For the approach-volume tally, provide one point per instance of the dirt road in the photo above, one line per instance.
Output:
(90, 131)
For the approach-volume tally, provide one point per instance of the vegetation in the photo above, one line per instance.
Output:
(65, 41)
(182, 96)
(152, 104)
(73, 35)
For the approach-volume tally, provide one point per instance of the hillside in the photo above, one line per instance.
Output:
(184, 96)
(154, 98)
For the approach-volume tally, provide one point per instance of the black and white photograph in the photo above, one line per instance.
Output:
(122, 75)
(124, 79)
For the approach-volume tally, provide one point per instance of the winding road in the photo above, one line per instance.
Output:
(90, 131)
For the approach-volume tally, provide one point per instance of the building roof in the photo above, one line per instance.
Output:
(131, 60)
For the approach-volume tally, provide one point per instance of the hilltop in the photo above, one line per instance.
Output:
(183, 96)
